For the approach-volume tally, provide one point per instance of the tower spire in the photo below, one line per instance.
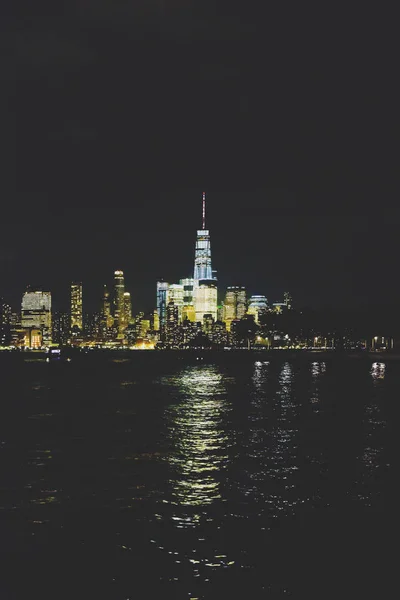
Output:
(204, 210)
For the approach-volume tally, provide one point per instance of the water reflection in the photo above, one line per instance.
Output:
(317, 369)
(198, 436)
(270, 447)
(374, 425)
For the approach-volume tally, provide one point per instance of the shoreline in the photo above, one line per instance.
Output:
(243, 354)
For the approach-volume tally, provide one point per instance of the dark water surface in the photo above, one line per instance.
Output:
(144, 478)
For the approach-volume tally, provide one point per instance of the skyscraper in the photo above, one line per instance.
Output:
(36, 312)
(76, 305)
(234, 305)
(172, 324)
(188, 311)
(205, 284)
(162, 289)
(127, 309)
(202, 257)
(119, 307)
(175, 294)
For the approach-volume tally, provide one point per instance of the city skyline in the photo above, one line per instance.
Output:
(355, 274)
(202, 271)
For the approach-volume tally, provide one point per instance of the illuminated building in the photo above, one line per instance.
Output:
(127, 309)
(138, 324)
(205, 283)
(234, 305)
(172, 325)
(144, 327)
(189, 331)
(220, 312)
(208, 323)
(33, 337)
(119, 307)
(219, 335)
(188, 311)
(92, 327)
(36, 312)
(202, 260)
(61, 328)
(175, 294)
(206, 299)
(76, 305)
(106, 309)
(162, 289)
(278, 307)
(187, 284)
(130, 334)
(257, 306)
(156, 321)
(107, 331)
(5, 323)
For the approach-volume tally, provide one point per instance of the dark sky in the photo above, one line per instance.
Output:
(119, 114)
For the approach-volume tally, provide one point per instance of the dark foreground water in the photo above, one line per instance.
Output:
(145, 478)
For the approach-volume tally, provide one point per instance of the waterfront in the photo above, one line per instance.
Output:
(146, 478)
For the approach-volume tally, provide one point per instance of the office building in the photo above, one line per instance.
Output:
(205, 283)
(206, 299)
(155, 321)
(258, 305)
(36, 312)
(172, 325)
(162, 289)
(61, 328)
(188, 311)
(119, 306)
(235, 304)
(175, 294)
(5, 323)
(127, 309)
(76, 306)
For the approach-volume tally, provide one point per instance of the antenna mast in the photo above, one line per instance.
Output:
(204, 210)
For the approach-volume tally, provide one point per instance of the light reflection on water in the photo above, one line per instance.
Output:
(374, 425)
(197, 463)
(271, 446)
(198, 437)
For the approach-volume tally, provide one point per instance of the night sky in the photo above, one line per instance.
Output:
(118, 115)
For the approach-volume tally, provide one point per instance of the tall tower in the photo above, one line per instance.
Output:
(119, 306)
(205, 284)
(76, 305)
(202, 256)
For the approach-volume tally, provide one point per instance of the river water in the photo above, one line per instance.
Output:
(132, 479)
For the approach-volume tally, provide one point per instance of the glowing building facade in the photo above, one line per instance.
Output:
(162, 289)
(205, 283)
(76, 306)
(5, 323)
(257, 306)
(234, 305)
(127, 309)
(188, 311)
(175, 294)
(36, 312)
(119, 306)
